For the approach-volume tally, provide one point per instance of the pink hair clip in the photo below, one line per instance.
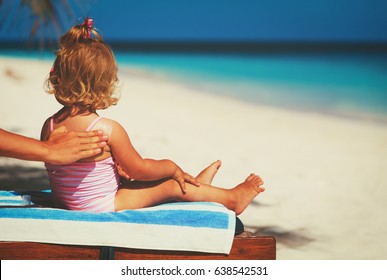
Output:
(88, 22)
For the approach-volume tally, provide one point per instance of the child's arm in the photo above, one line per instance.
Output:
(137, 167)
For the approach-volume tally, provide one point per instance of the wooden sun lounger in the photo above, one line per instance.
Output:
(245, 247)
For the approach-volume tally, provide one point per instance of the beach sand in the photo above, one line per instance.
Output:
(325, 176)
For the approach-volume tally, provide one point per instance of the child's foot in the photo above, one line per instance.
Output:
(245, 192)
(206, 176)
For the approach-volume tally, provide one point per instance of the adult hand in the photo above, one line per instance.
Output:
(181, 177)
(67, 147)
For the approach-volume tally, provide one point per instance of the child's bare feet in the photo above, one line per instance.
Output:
(206, 176)
(245, 192)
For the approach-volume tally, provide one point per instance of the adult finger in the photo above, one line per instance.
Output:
(89, 136)
(89, 152)
(90, 139)
(92, 146)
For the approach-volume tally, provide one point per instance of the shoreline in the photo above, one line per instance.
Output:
(240, 90)
(324, 176)
(360, 115)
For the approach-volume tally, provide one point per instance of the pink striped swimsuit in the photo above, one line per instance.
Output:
(84, 186)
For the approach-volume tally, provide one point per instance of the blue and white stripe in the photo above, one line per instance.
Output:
(203, 227)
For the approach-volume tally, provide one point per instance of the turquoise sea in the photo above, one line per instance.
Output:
(349, 85)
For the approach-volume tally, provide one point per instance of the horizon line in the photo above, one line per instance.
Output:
(217, 46)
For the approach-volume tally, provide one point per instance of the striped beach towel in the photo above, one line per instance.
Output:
(198, 226)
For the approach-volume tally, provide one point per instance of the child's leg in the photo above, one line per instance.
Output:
(206, 176)
(144, 194)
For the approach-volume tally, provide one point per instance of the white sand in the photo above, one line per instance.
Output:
(325, 177)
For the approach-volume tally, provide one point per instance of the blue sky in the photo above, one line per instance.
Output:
(251, 20)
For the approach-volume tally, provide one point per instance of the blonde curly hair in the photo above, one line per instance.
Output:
(85, 71)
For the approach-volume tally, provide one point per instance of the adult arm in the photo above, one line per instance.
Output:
(62, 147)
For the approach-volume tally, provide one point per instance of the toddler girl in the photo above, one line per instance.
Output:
(83, 80)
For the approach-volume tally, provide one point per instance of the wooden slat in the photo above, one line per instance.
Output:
(42, 251)
(244, 248)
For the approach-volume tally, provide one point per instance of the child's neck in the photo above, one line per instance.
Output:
(72, 111)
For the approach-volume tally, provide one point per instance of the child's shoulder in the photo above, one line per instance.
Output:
(109, 127)
(106, 122)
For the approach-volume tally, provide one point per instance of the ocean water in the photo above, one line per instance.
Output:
(349, 85)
